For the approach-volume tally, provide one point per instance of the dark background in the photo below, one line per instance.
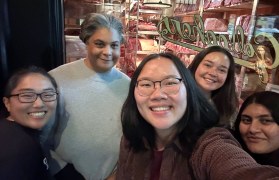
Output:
(31, 33)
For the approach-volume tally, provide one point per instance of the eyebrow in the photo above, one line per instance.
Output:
(29, 89)
(260, 116)
(166, 77)
(222, 66)
(99, 40)
(208, 60)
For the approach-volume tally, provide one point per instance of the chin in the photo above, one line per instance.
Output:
(257, 151)
(37, 125)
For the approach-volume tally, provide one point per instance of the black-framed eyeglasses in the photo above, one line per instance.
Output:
(169, 86)
(30, 97)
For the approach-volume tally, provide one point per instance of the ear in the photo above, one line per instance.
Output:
(7, 103)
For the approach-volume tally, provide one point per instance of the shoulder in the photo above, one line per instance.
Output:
(8, 128)
(125, 149)
(217, 133)
(120, 75)
(71, 73)
(16, 140)
(213, 143)
(124, 143)
(67, 68)
(21, 154)
(14, 133)
(216, 138)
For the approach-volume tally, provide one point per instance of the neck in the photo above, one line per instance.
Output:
(89, 65)
(207, 94)
(268, 159)
(164, 137)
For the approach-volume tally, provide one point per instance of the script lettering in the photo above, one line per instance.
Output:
(236, 44)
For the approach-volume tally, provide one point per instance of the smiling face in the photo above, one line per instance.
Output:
(212, 72)
(161, 110)
(103, 49)
(259, 130)
(33, 115)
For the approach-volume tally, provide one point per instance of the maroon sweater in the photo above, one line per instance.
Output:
(217, 156)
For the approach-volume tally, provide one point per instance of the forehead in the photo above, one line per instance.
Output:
(34, 81)
(106, 35)
(256, 109)
(217, 57)
(158, 68)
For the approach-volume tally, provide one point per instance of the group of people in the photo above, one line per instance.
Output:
(88, 120)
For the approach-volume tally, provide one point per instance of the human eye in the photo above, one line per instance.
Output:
(99, 44)
(145, 84)
(27, 95)
(267, 121)
(246, 120)
(48, 94)
(223, 70)
(115, 45)
(170, 82)
(207, 64)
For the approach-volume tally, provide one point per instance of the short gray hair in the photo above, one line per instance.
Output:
(94, 21)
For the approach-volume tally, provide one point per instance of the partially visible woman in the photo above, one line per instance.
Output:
(167, 126)
(214, 71)
(30, 98)
(257, 127)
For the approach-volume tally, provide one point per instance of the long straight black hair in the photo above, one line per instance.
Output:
(198, 117)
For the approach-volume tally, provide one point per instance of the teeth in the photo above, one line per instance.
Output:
(37, 114)
(209, 80)
(160, 108)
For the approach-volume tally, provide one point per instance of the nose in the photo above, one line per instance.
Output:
(107, 50)
(254, 127)
(39, 102)
(158, 93)
(212, 71)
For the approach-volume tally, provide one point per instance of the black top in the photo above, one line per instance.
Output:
(267, 159)
(21, 156)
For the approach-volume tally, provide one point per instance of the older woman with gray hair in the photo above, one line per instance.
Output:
(87, 141)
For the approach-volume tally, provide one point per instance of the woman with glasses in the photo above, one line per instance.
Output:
(214, 71)
(30, 98)
(169, 133)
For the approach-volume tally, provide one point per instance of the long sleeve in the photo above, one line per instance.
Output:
(219, 156)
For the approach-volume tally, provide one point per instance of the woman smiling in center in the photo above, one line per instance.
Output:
(162, 111)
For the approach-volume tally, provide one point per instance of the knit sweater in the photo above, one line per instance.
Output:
(267, 159)
(89, 136)
(216, 156)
